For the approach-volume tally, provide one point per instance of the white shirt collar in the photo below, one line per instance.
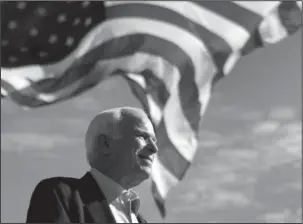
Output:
(112, 190)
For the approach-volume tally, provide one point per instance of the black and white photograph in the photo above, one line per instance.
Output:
(151, 111)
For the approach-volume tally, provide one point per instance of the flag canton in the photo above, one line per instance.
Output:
(45, 32)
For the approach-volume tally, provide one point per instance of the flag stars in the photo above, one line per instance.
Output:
(12, 59)
(4, 43)
(61, 18)
(53, 38)
(88, 21)
(21, 5)
(41, 11)
(12, 25)
(76, 21)
(69, 41)
(85, 4)
(23, 49)
(42, 54)
(33, 32)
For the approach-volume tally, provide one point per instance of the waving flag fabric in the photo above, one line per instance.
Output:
(41, 44)
(170, 52)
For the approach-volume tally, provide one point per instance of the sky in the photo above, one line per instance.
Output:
(247, 167)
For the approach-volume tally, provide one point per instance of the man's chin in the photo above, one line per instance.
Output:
(146, 171)
(141, 176)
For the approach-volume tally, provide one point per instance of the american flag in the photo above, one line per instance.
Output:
(170, 52)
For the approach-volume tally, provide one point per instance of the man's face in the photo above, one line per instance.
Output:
(135, 149)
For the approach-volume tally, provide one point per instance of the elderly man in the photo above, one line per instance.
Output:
(120, 147)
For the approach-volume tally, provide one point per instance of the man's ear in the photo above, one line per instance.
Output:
(104, 142)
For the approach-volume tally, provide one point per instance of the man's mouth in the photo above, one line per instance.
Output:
(145, 158)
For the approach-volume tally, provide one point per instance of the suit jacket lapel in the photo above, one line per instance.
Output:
(141, 219)
(94, 200)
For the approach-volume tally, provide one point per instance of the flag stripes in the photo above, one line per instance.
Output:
(138, 86)
(170, 53)
(155, 13)
(230, 11)
(176, 161)
(159, 200)
(162, 182)
(174, 152)
(156, 88)
(175, 164)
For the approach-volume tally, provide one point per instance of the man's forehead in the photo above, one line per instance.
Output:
(134, 118)
(142, 124)
(141, 131)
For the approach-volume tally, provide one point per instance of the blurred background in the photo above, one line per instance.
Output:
(247, 168)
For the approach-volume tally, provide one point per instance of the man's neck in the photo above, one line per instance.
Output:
(123, 180)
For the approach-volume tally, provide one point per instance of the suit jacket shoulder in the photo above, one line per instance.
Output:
(71, 200)
(51, 199)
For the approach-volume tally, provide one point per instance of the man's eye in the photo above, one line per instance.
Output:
(143, 137)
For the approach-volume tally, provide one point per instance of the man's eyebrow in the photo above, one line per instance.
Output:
(140, 131)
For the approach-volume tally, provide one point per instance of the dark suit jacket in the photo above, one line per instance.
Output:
(70, 200)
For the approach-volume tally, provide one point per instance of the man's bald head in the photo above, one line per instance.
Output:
(121, 143)
(111, 123)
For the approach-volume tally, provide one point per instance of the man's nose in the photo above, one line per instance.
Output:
(153, 146)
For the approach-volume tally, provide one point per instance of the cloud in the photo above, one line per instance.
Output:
(265, 127)
(282, 113)
(9, 107)
(74, 124)
(47, 155)
(289, 186)
(212, 183)
(210, 144)
(248, 172)
(265, 144)
(292, 144)
(209, 135)
(12, 141)
(282, 147)
(209, 139)
(293, 127)
(251, 115)
(210, 194)
(237, 113)
(238, 154)
(220, 198)
(280, 217)
(225, 198)
(87, 103)
(285, 216)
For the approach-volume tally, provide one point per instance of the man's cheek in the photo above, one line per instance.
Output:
(135, 158)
